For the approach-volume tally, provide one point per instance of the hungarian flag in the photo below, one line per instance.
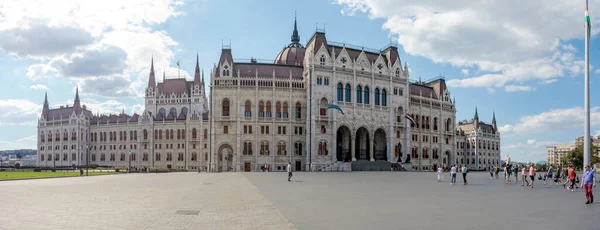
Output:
(588, 23)
(410, 118)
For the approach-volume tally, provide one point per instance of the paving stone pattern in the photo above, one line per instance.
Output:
(138, 201)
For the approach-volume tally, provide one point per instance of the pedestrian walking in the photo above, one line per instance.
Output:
(491, 169)
(289, 170)
(507, 171)
(453, 175)
(549, 175)
(516, 173)
(558, 178)
(572, 177)
(524, 176)
(531, 175)
(465, 170)
(440, 175)
(588, 180)
(496, 171)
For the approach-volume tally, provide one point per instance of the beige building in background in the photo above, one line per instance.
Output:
(556, 152)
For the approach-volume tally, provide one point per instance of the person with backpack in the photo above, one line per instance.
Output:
(465, 170)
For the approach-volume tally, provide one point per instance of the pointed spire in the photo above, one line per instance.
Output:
(46, 106)
(77, 103)
(295, 36)
(476, 117)
(151, 79)
(494, 118)
(203, 77)
(164, 76)
(197, 72)
(46, 99)
(77, 94)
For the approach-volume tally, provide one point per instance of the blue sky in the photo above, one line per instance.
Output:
(523, 61)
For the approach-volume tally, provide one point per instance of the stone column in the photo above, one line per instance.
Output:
(371, 147)
(352, 147)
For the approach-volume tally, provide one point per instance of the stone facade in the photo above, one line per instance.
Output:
(478, 143)
(555, 153)
(314, 106)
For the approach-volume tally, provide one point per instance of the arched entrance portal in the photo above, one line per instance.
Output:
(362, 144)
(225, 158)
(343, 144)
(379, 142)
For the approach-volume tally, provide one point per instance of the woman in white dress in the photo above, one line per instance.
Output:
(440, 175)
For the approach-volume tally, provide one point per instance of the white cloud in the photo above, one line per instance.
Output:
(27, 139)
(38, 87)
(491, 90)
(113, 107)
(517, 88)
(550, 81)
(530, 142)
(109, 39)
(496, 38)
(465, 71)
(552, 120)
(19, 112)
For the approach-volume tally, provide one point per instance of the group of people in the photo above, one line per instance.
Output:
(569, 175)
(463, 169)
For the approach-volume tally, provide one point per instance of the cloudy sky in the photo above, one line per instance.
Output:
(521, 59)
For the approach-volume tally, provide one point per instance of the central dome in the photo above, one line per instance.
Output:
(293, 54)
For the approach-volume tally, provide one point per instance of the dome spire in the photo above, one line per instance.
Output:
(295, 36)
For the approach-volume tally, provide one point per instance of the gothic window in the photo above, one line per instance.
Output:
(281, 149)
(376, 96)
(322, 60)
(285, 110)
(383, 97)
(278, 110)
(343, 60)
(435, 124)
(205, 134)
(397, 72)
(340, 92)
(248, 109)
(268, 114)
(135, 135)
(194, 134)
(425, 154)
(247, 148)
(157, 157)
(225, 107)
(261, 109)
(435, 154)
(171, 134)
(194, 157)
(448, 124)
(162, 112)
(348, 96)
(323, 148)
(414, 153)
(298, 110)
(326, 81)
(358, 94)
(323, 107)
(298, 149)
(366, 92)
(178, 134)
(173, 112)
(264, 148)
(184, 111)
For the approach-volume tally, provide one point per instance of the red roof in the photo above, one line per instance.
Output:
(266, 70)
(177, 86)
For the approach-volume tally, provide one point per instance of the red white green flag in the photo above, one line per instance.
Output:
(588, 23)
(410, 118)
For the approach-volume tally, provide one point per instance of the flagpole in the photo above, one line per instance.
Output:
(586, 128)
(178, 70)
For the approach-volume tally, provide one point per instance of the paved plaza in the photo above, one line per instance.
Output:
(356, 200)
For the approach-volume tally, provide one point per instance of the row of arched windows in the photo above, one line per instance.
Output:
(158, 134)
(425, 154)
(65, 136)
(362, 94)
(281, 148)
(173, 112)
(264, 109)
(423, 123)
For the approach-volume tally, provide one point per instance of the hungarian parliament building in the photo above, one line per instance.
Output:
(318, 106)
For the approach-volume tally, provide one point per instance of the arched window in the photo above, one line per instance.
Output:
(178, 134)
(205, 134)
(414, 153)
(448, 124)
(135, 135)
(167, 134)
(323, 148)
(285, 110)
(322, 60)
(435, 124)
(171, 134)
(376, 96)
(268, 109)
(358, 94)
(184, 111)
(348, 96)
(248, 109)
(264, 148)
(281, 149)
(194, 134)
(397, 72)
(261, 109)
(366, 95)
(340, 92)
(162, 112)
(425, 154)
(160, 134)
(298, 110)
(173, 112)
(298, 149)
(435, 154)
(225, 107)
(323, 107)
(278, 110)
(247, 148)
(383, 97)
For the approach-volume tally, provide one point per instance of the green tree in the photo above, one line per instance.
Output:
(575, 156)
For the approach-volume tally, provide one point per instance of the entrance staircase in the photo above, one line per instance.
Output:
(363, 165)
(337, 167)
